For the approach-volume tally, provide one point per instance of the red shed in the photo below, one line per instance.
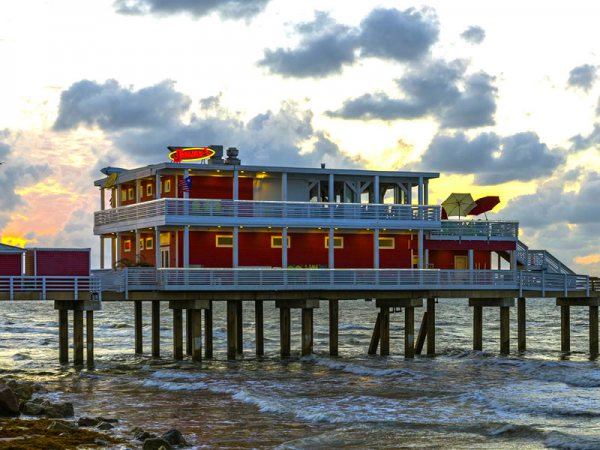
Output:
(11, 260)
(57, 262)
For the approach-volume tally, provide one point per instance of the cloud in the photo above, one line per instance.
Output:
(227, 9)
(110, 106)
(326, 47)
(474, 34)
(431, 89)
(491, 158)
(581, 142)
(583, 77)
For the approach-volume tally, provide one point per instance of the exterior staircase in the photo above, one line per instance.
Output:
(541, 260)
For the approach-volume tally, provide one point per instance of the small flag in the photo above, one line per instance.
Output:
(185, 184)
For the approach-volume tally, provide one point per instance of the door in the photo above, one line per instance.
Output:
(165, 257)
(461, 263)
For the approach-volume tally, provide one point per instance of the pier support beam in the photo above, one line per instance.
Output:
(208, 331)
(232, 329)
(188, 332)
(240, 328)
(375, 336)
(178, 334)
(565, 304)
(259, 328)
(409, 305)
(333, 327)
(431, 326)
(504, 303)
(285, 307)
(193, 310)
(156, 328)
(521, 325)
(78, 307)
(138, 325)
(196, 335)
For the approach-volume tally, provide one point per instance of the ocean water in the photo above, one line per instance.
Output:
(459, 399)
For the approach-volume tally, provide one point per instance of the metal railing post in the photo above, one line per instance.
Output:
(75, 287)
(587, 285)
(126, 283)
(11, 288)
(565, 281)
(520, 275)
(43, 288)
(543, 284)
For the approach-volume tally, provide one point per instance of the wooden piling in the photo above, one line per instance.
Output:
(137, 319)
(240, 328)
(478, 328)
(232, 329)
(334, 327)
(178, 334)
(78, 337)
(63, 336)
(259, 328)
(285, 331)
(208, 332)
(196, 335)
(565, 328)
(593, 316)
(385, 331)
(409, 332)
(307, 331)
(89, 338)
(521, 325)
(504, 330)
(375, 336)
(188, 332)
(422, 334)
(431, 326)
(156, 328)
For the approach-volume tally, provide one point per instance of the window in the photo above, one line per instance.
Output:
(130, 193)
(387, 243)
(148, 189)
(149, 243)
(276, 241)
(123, 195)
(141, 243)
(165, 239)
(127, 245)
(167, 185)
(224, 240)
(338, 242)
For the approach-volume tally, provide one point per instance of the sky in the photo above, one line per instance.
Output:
(500, 97)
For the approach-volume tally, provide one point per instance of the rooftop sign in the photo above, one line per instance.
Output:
(178, 154)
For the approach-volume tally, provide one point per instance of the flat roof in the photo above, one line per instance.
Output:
(150, 170)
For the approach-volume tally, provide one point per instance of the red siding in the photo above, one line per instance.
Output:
(357, 251)
(307, 250)
(399, 256)
(255, 250)
(220, 188)
(51, 262)
(11, 264)
(444, 259)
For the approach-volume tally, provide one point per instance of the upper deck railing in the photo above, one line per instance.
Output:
(477, 229)
(259, 213)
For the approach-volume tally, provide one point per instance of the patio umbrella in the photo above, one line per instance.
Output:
(484, 204)
(458, 204)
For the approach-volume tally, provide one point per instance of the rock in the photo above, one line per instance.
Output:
(87, 422)
(9, 404)
(41, 407)
(104, 419)
(101, 442)
(61, 425)
(174, 437)
(31, 408)
(104, 426)
(143, 435)
(23, 389)
(156, 444)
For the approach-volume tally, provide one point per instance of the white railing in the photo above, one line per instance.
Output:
(247, 209)
(540, 260)
(144, 279)
(47, 284)
(477, 228)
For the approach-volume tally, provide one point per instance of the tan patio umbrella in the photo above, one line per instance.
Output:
(458, 204)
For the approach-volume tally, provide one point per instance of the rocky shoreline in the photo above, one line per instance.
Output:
(30, 421)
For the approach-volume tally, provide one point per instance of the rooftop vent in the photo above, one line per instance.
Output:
(217, 158)
(232, 156)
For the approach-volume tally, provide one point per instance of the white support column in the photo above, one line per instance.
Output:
(158, 262)
(331, 189)
(376, 248)
(284, 187)
(471, 260)
(331, 249)
(102, 199)
(102, 252)
(420, 191)
(420, 243)
(137, 246)
(236, 184)
(186, 246)
(235, 247)
(376, 190)
(186, 173)
(138, 190)
(426, 192)
(427, 258)
(157, 191)
(177, 248)
(409, 193)
(284, 249)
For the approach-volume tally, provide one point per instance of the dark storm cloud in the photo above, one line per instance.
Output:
(326, 47)
(15, 173)
(227, 9)
(323, 50)
(583, 142)
(431, 90)
(583, 77)
(493, 159)
(474, 34)
(112, 107)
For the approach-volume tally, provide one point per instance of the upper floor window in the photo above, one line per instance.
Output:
(276, 241)
(130, 193)
(387, 243)
(149, 243)
(127, 245)
(338, 242)
(141, 243)
(148, 189)
(167, 185)
(224, 240)
(123, 195)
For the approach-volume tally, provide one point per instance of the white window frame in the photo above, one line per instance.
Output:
(150, 243)
(141, 243)
(229, 236)
(280, 237)
(387, 238)
(129, 193)
(126, 244)
(335, 238)
(149, 190)
(168, 185)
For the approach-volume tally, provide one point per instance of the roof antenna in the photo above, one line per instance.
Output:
(322, 165)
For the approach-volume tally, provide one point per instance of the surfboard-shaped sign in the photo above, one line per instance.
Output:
(179, 154)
